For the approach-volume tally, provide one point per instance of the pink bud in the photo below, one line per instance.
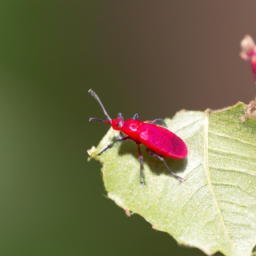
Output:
(249, 53)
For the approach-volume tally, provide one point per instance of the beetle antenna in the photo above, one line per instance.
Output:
(96, 119)
(98, 99)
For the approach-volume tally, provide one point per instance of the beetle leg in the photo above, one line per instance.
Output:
(161, 159)
(120, 116)
(103, 149)
(108, 146)
(123, 138)
(160, 121)
(135, 117)
(141, 167)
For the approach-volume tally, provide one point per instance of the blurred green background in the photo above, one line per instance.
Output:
(150, 57)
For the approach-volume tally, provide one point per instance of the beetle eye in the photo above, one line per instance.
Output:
(120, 124)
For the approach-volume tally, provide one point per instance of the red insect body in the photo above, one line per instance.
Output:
(157, 139)
(162, 141)
(248, 53)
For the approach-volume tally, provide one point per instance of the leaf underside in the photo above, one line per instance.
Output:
(215, 208)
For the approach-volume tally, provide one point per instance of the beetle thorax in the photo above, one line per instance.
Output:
(130, 128)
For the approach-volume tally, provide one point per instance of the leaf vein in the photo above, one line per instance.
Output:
(247, 172)
(207, 170)
(192, 123)
(230, 137)
(230, 153)
(236, 186)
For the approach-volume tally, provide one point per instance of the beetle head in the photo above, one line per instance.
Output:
(117, 124)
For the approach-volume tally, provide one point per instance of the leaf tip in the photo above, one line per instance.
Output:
(90, 153)
(127, 212)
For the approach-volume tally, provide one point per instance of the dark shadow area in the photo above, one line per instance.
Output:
(156, 166)
(128, 147)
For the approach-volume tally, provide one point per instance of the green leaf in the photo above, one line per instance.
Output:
(215, 208)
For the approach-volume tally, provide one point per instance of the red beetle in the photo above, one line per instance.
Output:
(158, 140)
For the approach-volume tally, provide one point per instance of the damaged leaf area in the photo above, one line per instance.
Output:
(215, 208)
